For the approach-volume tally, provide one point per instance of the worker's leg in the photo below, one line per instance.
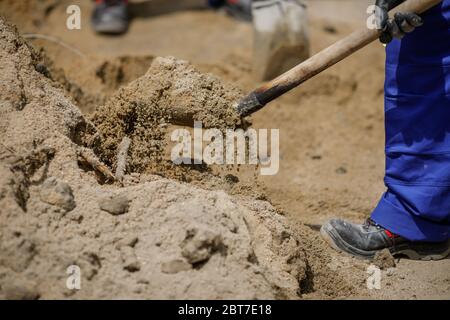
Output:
(418, 213)
(413, 216)
(417, 112)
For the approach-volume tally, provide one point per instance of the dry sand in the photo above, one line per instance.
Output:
(171, 91)
(152, 237)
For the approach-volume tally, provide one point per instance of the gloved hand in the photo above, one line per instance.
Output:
(397, 27)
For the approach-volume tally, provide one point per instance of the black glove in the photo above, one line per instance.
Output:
(402, 23)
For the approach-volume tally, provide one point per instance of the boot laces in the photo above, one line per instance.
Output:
(391, 237)
(370, 223)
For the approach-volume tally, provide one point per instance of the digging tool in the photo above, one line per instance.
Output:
(258, 98)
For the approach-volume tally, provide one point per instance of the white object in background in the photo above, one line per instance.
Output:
(281, 37)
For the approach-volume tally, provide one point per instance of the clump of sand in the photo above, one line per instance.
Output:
(159, 239)
(172, 91)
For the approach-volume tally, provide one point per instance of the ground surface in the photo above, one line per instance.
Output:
(331, 128)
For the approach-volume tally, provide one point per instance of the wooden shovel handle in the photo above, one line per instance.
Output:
(321, 61)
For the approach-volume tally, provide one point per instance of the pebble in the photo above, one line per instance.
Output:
(199, 244)
(129, 240)
(114, 204)
(384, 259)
(58, 193)
(341, 170)
(175, 266)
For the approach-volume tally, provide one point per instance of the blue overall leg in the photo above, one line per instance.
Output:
(416, 204)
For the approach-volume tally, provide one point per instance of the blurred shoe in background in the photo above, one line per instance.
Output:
(110, 16)
(240, 9)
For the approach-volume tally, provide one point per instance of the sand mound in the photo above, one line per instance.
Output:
(152, 238)
(172, 91)
(116, 72)
(91, 81)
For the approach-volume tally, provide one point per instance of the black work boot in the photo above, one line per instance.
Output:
(367, 239)
(110, 17)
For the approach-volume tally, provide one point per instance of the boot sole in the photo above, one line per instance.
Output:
(337, 243)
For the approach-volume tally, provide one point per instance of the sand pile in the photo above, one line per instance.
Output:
(151, 238)
(116, 72)
(172, 91)
(91, 81)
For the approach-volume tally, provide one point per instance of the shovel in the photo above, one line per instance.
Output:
(258, 98)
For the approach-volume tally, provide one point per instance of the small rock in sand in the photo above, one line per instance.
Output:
(384, 259)
(129, 240)
(341, 170)
(114, 204)
(199, 244)
(175, 266)
(58, 193)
